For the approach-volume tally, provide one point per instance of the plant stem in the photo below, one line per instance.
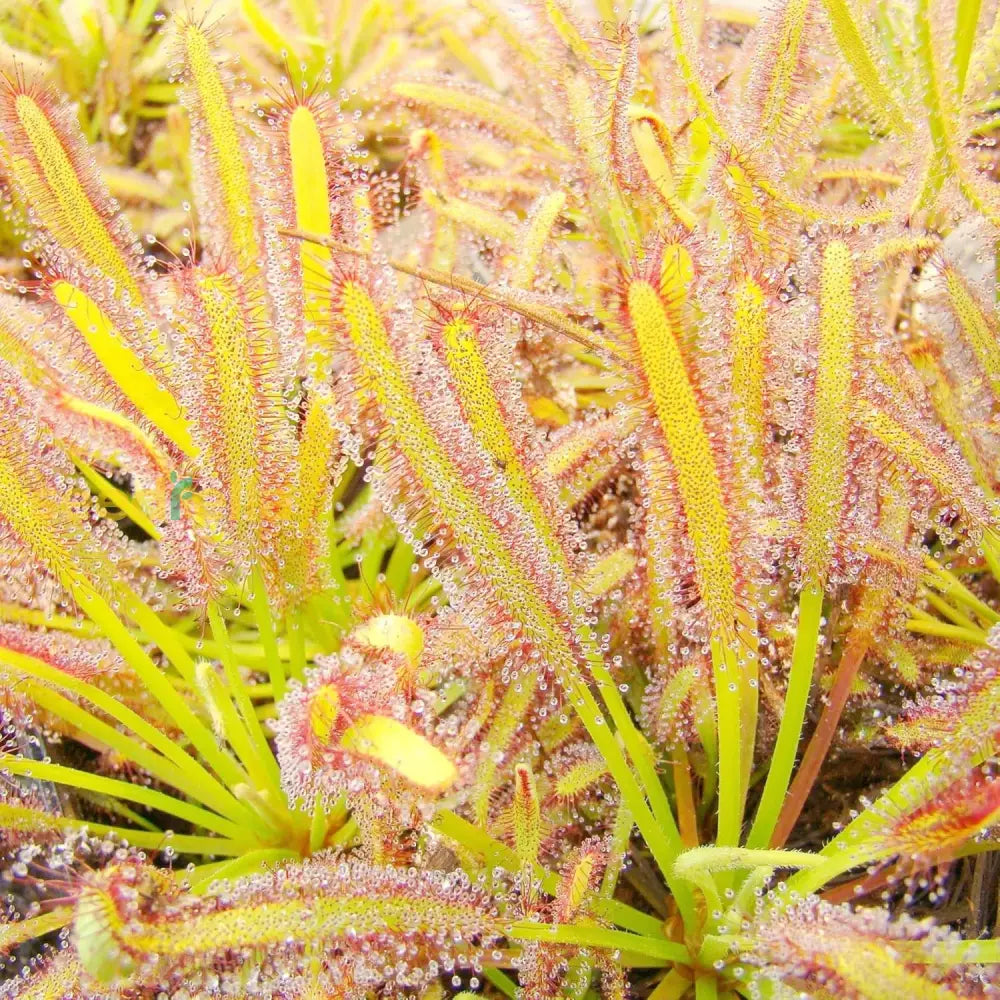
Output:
(454, 827)
(655, 821)
(819, 744)
(672, 986)
(949, 584)
(945, 631)
(89, 725)
(210, 791)
(128, 791)
(593, 936)
(265, 626)
(296, 645)
(268, 775)
(247, 864)
(731, 737)
(502, 982)
(687, 816)
(790, 729)
(706, 986)
(100, 612)
(944, 608)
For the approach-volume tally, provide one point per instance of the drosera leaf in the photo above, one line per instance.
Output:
(584, 455)
(776, 63)
(324, 905)
(852, 951)
(563, 26)
(527, 818)
(978, 325)
(57, 178)
(858, 48)
(499, 20)
(607, 573)
(961, 716)
(945, 471)
(678, 419)
(491, 114)
(613, 213)
(78, 423)
(234, 391)
(51, 533)
(755, 216)
(227, 208)
(500, 427)
(442, 465)
(304, 131)
(17, 932)
(86, 241)
(127, 370)
(831, 418)
(471, 216)
(406, 752)
(825, 492)
(622, 87)
(925, 357)
(385, 381)
(537, 231)
(936, 827)
(310, 188)
(319, 458)
(943, 117)
(576, 771)
(59, 976)
(676, 430)
(749, 348)
(655, 149)
(966, 735)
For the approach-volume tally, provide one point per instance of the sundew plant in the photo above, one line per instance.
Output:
(536, 537)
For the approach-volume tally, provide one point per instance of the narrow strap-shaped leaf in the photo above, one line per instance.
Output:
(17, 932)
(857, 47)
(966, 21)
(117, 789)
(125, 368)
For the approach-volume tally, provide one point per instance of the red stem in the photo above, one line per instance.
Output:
(687, 816)
(821, 739)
